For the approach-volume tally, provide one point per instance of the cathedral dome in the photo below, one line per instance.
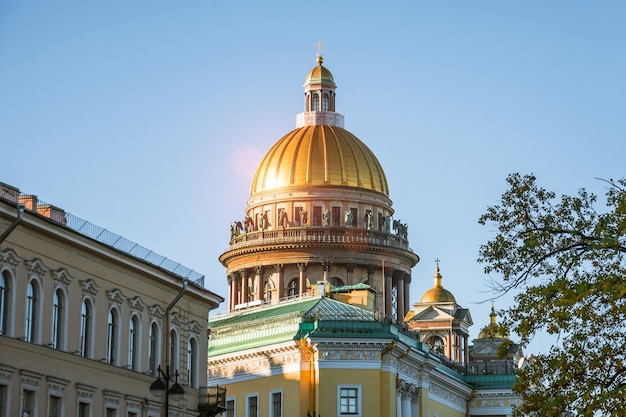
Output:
(318, 75)
(437, 294)
(319, 155)
(492, 330)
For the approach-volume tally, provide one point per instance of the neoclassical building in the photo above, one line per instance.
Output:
(319, 319)
(87, 319)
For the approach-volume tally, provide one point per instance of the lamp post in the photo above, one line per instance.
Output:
(160, 387)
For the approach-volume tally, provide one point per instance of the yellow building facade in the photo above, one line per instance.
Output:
(319, 267)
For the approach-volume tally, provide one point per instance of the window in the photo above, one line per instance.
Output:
(267, 295)
(336, 282)
(54, 408)
(192, 362)
(276, 404)
(110, 412)
(28, 403)
(325, 101)
(252, 407)
(84, 409)
(32, 307)
(317, 216)
(3, 401)
(153, 349)
(349, 403)
(5, 279)
(436, 344)
(174, 350)
(335, 218)
(293, 287)
(133, 343)
(316, 101)
(112, 328)
(86, 317)
(230, 408)
(58, 319)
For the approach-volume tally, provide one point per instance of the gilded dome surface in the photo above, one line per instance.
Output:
(318, 75)
(437, 294)
(319, 155)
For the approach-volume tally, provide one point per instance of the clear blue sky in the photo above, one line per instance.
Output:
(150, 117)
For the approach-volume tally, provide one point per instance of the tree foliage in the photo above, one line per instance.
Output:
(566, 259)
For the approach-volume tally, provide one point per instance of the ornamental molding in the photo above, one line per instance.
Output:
(36, 267)
(85, 391)
(30, 378)
(89, 286)
(57, 384)
(62, 277)
(112, 397)
(115, 297)
(136, 304)
(177, 319)
(447, 395)
(10, 258)
(253, 364)
(156, 311)
(194, 327)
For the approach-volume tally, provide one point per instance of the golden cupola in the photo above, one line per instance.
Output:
(320, 151)
(492, 330)
(437, 294)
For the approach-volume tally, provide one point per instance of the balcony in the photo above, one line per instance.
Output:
(212, 401)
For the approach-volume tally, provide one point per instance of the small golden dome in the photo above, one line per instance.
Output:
(437, 294)
(492, 330)
(319, 155)
(319, 74)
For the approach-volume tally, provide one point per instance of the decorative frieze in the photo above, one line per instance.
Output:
(9, 257)
(156, 311)
(136, 304)
(89, 286)
(62, 277)
(36, 267)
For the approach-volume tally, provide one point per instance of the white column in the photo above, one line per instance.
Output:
(399, 402)
(415, 402)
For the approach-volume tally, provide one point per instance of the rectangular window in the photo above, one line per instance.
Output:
(276, 404)
(335, 217)
(110, 412)
(349, 401)
(28, 403)
(54, 408)
(3, 400)
(317, 216)
(230, 408)
(84, 410)
(252, 409)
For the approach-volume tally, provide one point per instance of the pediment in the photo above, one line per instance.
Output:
(432, 313)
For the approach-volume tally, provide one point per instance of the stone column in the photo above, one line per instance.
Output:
(244, 286)
(406, 400)
(399, 401)
(407, 295)
(400, 285)
(280, 268)
(415, 402)
(302, 267)
(258, 277)
(388, 290)
(350, 273)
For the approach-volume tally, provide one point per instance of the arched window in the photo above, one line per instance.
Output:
(174, 358)
(436, 344)
(336, 282)
(192, 362)
(112, 329)
(58, 319)
(86, 317)
(267, 295)
(32, 310)
(325, 102)
(293, 287)
(153, 349)
(5, 281)
(316, 101)
(133, 343)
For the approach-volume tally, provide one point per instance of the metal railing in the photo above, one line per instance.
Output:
(59, 216)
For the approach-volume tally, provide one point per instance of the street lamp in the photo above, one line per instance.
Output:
(161, 387)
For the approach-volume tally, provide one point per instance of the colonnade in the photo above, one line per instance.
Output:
(407, 400)
(247, 287)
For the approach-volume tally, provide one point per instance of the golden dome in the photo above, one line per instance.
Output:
(319, 155)
(492, 330)
(437, 294)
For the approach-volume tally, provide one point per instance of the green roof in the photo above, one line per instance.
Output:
(264, 326)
